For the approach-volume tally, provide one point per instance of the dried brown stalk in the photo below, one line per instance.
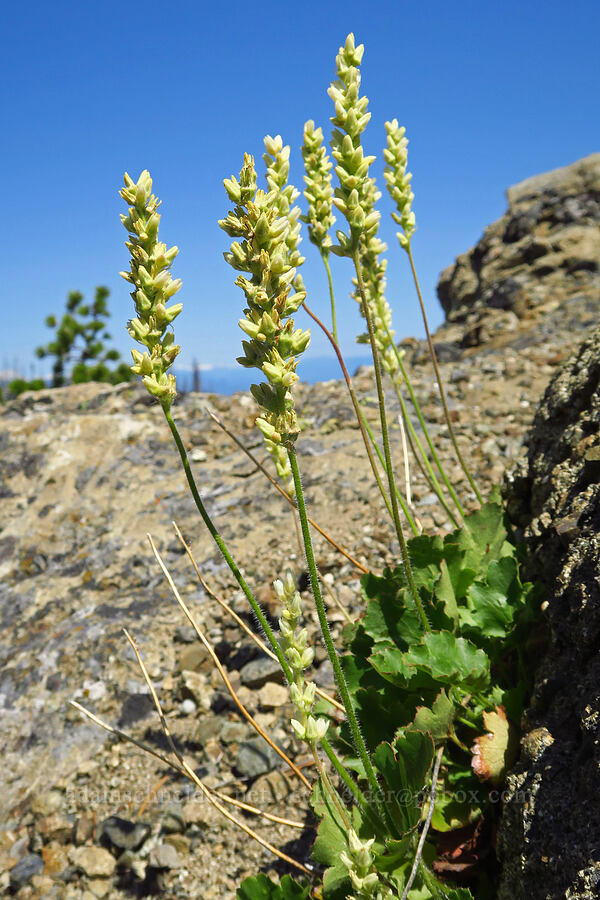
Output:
(259, 643)
(223, 673)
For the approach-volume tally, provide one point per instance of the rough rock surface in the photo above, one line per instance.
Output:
(542, 253)
(551, 825)
(85, 472)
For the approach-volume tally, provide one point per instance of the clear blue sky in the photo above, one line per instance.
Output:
(490, 92)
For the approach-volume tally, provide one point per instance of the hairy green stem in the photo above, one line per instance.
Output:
(386, 446)
(435, 485)
(340, 680)
(423, 424)
(401, 500)
(359, 414)
(325, 258)
(223, 547)
(439, 377)
(344, 775)
(327, 785)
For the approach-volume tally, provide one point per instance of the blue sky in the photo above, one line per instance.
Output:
(490, 93)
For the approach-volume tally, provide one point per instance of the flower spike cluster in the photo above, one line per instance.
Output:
(153, 287)
(277, 161)
(357, 197)
(352, 197)
(308, 728)
(398, 181)
(261, 251)
(318, 191)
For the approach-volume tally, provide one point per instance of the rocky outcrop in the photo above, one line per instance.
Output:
(549, 838)
(544, 252)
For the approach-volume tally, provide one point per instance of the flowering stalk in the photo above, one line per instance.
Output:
(398, 182)
(340, 680)
(150, 262)
(319, 193)
(307, 727)
(355, 198)
(263, 253)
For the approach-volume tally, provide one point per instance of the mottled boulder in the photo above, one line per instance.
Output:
(543, 252)
(549, 841)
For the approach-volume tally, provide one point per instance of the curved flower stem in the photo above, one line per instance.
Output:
(325, 258)
(285, 494)
(439, 377)
(435, 485)
(340, 680)
(419, 853)
(423, 424)
(359, 414)
(345, 777)
(401, 500)
(386, 446)
(327, 785)
(223, 547)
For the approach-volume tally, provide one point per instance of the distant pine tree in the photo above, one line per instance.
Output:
(78, 347)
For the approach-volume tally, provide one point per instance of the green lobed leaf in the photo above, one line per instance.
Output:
(259, 887)
(492, 603)
(439, 656)
(436, 721)
(404, 769)
(483, 537)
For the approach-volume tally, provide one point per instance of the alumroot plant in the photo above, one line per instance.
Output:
(435, 659)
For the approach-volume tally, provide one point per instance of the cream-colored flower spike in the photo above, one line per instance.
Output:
(318, 191)
(398, 181)
(153, 287)
(357, 197)
(294, 642)
(354, 196)
(267, 252)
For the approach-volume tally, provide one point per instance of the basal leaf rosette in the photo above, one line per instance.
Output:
(262, 253)
(153, 287)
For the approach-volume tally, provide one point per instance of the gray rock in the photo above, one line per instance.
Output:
(173, 819)
(546, 246)
(254, 758)
(124, 834)
(165, 856)
(548, 840)
(260, 670)
(25, 869)
(96, 862)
